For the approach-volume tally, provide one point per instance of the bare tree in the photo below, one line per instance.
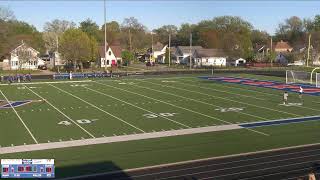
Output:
(24, 56)
(6, 14)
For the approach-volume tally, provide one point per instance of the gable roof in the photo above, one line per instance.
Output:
(210, 53)
(116, 49)
(282, 45)
(158, 46)
(186, 49)
(23, 44)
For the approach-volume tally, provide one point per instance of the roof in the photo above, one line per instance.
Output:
(186, 49)
(210, 53)
(158, 46)
(282, 45)
(22, 44)
(116, 49)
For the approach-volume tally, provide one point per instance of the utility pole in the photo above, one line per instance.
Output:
(130, 39)
(271, 51)
(169, 49)
(190, 51)
(309, 44)
(105, 34)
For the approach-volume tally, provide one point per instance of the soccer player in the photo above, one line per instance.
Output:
(70, 75)
(300, 94)
(29, 77)
(285, 97)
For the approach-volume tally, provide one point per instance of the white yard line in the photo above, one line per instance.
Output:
(14, 110)
(138, 107)
(172, 94)
(112, 139)
(98, 108)
(262, 107)
(211, 117)
(220, 91)
(54, 107)
(53, 82)
(219, 85)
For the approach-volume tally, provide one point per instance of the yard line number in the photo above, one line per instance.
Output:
(80, 121)
(231, 109)
(151, 116)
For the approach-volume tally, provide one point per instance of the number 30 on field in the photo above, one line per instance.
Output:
(80, 121)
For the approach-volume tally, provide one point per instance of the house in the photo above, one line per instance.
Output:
(282, 47)
(238, 62)
(113, 56)
(23, 57)
(159, 52)
(182, 54)
(210, 57)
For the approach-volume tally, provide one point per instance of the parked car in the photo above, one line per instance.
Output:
(42, 67)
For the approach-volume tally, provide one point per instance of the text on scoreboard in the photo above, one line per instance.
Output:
(27, 168)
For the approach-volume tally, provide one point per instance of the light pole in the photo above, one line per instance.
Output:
(190, 51)
(105, 34)
(309, 44)
(169, 49)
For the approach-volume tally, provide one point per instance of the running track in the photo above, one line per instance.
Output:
(273, 165)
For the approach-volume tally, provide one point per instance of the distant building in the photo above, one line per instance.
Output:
(282, 47)
(210, 57)
(113, 56)
(15, 62)
(182, 54)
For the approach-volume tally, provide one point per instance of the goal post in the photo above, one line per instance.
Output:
(303, 77)
(318, 80)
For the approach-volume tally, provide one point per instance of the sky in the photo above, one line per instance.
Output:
(263, 15)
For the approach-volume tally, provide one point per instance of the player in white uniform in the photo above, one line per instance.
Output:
(285, 98)
(300, 93)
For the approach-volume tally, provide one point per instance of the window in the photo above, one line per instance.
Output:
(109, 53)
(107, 62)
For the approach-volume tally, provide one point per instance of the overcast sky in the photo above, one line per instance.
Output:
(265, 15)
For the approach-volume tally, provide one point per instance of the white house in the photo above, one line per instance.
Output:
(210, 57)
(16, 62)
(113, 56)
(182, 54)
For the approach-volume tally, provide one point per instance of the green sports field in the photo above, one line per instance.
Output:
(69, 111)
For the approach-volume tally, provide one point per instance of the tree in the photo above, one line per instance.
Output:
(6, 14)
(91, 28)
(76, 47)
(183, 35)
(166, 57)
(53, 31)
(291, 30)
(24, 55)
(133, 33)
(162, 34)
(259, 37)
(127, 56)
(113, 31)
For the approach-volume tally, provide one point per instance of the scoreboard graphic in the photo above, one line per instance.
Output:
(27, 168)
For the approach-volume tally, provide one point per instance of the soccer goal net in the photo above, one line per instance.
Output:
(298, 77)
(317, 80)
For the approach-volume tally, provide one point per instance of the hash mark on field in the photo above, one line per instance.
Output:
(137, 107)
(97, 108)
(60, 111)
